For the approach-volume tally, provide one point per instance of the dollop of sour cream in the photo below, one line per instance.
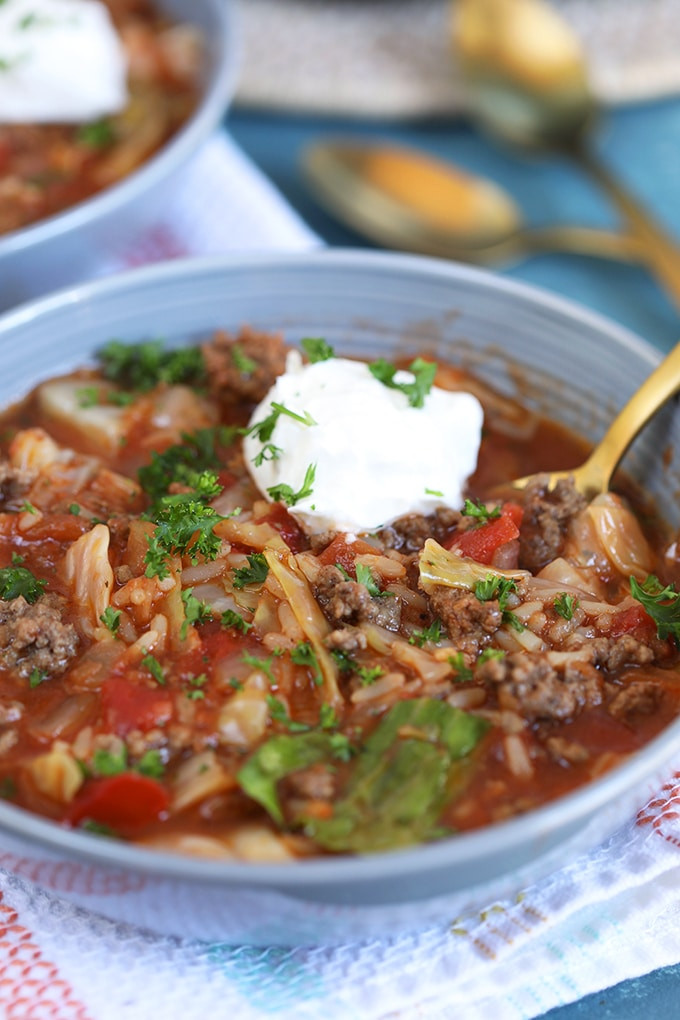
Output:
(374, 456)
(60, 61)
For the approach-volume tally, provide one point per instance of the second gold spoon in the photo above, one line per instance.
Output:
(404, 199)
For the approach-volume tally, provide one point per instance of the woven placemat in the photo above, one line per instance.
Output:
(392, 57)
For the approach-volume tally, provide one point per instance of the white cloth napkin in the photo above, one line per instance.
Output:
(611, 915)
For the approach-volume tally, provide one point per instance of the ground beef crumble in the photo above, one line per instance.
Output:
(469, 622)
(547, 515)
(35, 636)
(228, 362)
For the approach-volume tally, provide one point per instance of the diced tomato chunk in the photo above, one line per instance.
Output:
(286, 525)
(344, 551)
(123, 802)
(128, 705)
(633, 619)
(481, 543)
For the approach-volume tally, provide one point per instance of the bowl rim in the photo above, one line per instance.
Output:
(153, 171)
(643, 766)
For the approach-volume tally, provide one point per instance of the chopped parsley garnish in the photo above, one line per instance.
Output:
(74, 508)
(8, 788)
(17, 560)
(462, 674)
(479, 513)
(489, 654)
(109, 763)
(151, 764)
(88, 396)
(255, 573)
(317, 349)
(36, 677)
(184, 462)
(343, 660)
(283, 493)
(278, 713)
(565, 605)
(184, 529)
(28, 507)
(304, 419)
(432, 633)
(142, 366)
(195, 611)
(236, 684)
(661, 603)
(111, 619)
(365, 577)
(423, 373)
(369, 674)
(264, 665)
(304, 655)
(434, 492)
(270, 451)
(495, 587)
(154, 667)
(328, 719)
(16, 581)
(196, 684)
(97, 135)
(244, 364)
(230, 618)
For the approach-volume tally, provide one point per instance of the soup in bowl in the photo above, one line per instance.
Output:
(274, 621)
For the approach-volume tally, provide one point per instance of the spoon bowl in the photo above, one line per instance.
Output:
(404, 199)
(526, 82)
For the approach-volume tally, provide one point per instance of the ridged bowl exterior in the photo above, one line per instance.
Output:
(558, 358)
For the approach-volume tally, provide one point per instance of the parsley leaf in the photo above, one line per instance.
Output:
(151, 764)
(265, 665)
(462, 674)
(142, 366)
(661, 603)
(369, 674)
(565, 605)
(16, 581)
(490, 653)
(97, 135)
(230, 618)
(255, 573)
(500, 588)
(195, 611)
(283, 493)
(111, 619)
(243, 364)
(365, 577)
(154, 667)
(278, 713)
(184, 528)
(183, 462)
(109, 763)
(479, 512)
(304, 655)
(36, 677)
(317, 349)
(423, 373)
(432, 633)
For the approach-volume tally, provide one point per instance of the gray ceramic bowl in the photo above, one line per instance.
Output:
(373, 304)
(62, 249)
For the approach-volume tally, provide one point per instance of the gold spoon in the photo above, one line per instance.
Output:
(526, 81)
(593, 477)
(403, 199)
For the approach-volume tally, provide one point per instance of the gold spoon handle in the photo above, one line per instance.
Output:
(657, 248)
(577, 240)
(594, 476)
